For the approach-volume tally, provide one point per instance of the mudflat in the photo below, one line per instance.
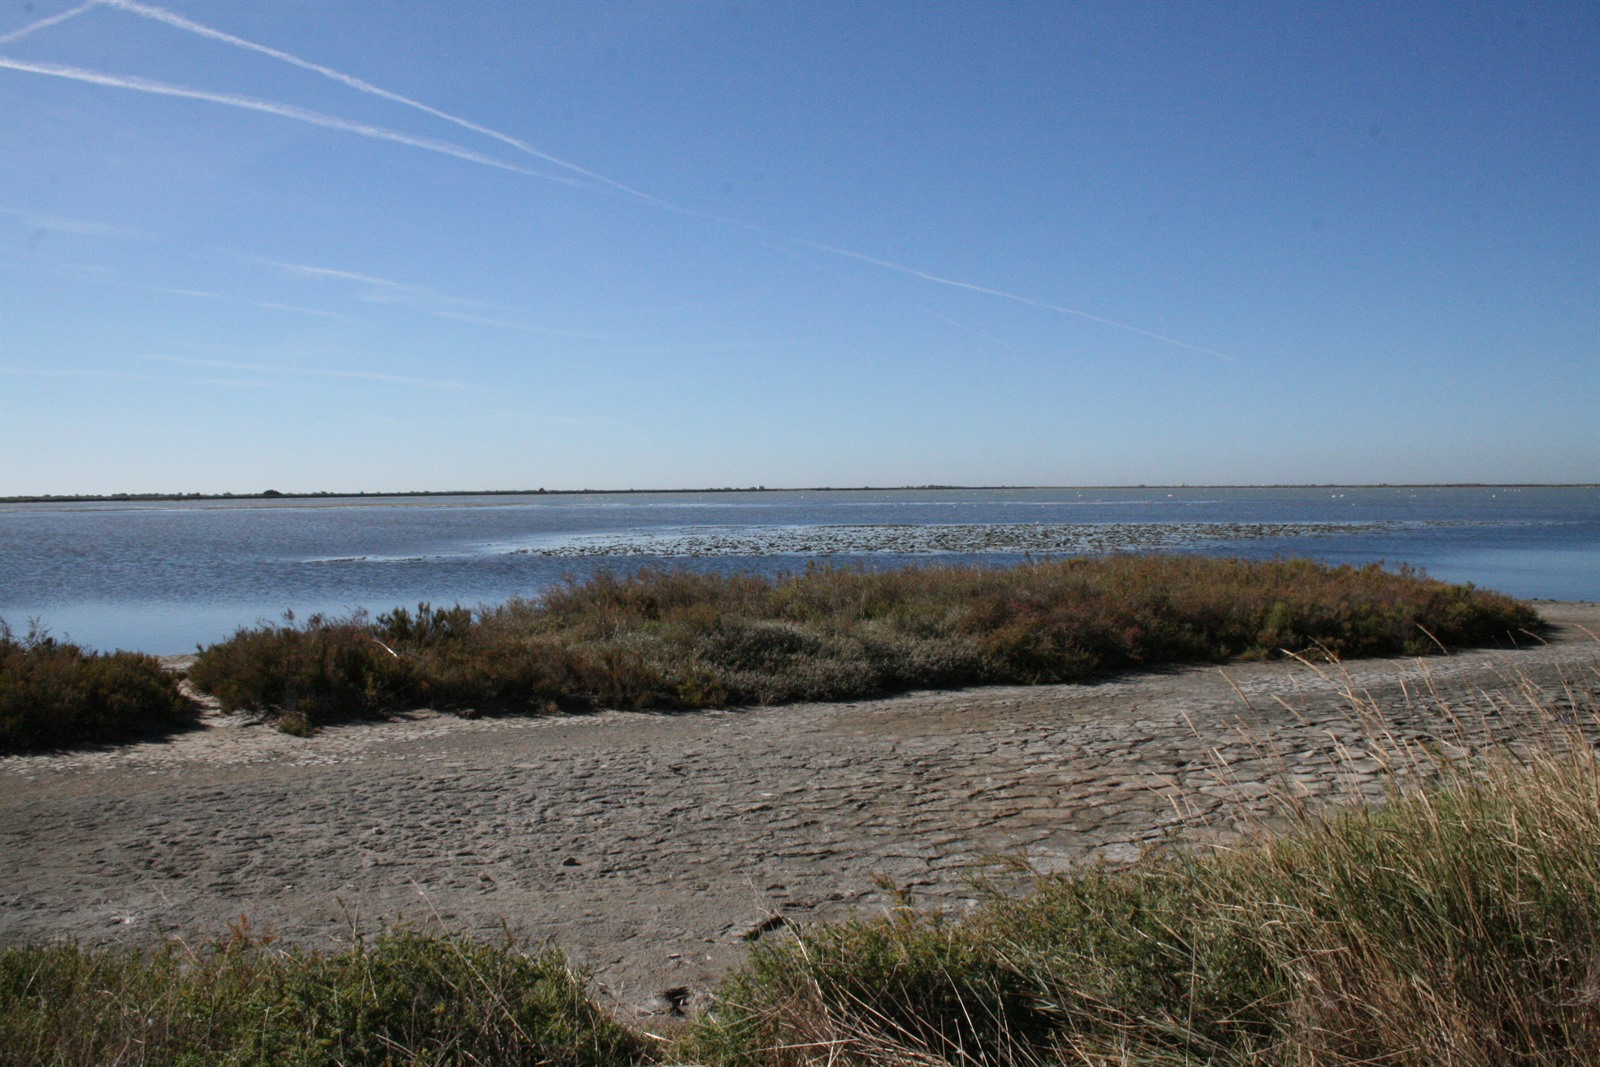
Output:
(656, 848)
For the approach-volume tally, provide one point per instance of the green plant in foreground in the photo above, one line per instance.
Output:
(405, 998)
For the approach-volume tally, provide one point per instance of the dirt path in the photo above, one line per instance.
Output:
(654, 848)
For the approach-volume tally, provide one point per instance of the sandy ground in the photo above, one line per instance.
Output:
(656, 848)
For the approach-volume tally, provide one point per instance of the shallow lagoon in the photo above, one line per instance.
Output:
(165, 576)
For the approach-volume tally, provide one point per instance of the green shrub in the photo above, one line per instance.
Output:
(54, 694)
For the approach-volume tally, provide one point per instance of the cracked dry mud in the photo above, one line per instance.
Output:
(655, 848)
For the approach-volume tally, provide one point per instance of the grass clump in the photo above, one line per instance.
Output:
(683, 640)
(1458, 926)
(405, 998)
(53, 693)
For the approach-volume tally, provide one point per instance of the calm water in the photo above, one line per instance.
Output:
(165, 577)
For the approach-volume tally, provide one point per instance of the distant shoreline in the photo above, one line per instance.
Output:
(272, 494)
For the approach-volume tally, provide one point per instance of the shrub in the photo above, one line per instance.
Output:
(681, 640)
(325, 668)
(52, 693)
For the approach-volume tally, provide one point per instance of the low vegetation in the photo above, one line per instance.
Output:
(671, 639)
(405, 998)
(53, 693)
(1459, 924)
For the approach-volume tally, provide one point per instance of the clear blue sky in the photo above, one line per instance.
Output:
(708, 244)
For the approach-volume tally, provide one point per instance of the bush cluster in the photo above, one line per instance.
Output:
(672, 639)
(53, 693)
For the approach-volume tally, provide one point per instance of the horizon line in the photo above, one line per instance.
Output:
(322, 494)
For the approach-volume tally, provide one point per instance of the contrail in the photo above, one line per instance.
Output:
(310, 372)
(541, 331)
(446, 148)
(269, 305)
(190, 26)
(98, 277)
(76, 227)
(32, 27)
(314, 118)
(422, 299)
(1003, 295)
(304, 271)
(58, 372)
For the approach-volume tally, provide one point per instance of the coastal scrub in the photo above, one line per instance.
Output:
(681, 640)
(54, 693)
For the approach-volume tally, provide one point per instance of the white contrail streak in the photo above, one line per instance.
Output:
(44, 23)
(310, 372)
(301, 270)
(422, 299)
(269, 305)
(519, 327)
(360, 85)
(1003, 295)
(269, 107)
(446, 148)
(76, 227)
(98, 276)
(58, 372)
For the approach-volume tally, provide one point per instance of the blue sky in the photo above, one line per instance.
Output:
(631, 245)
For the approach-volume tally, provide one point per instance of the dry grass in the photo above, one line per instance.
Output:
(1458, 924)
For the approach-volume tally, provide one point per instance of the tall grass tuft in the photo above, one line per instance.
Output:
(1456, 925)
(405, 998)
(53, 693)
(680, 640)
